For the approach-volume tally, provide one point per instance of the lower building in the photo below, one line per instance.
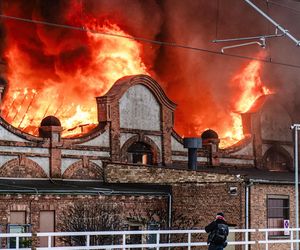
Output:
(134, 171)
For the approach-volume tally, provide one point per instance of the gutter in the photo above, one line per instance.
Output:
(247, 211)
(263, 181)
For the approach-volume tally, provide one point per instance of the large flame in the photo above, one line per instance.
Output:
(249, 87)
(57, 71)
(68, 94)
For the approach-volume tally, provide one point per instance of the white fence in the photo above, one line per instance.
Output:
(155, 239)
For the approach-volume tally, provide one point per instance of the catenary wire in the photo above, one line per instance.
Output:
(141, 39)
(283, 6)
(217, 16)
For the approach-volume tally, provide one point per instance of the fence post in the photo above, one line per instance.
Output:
(17, 242)
(157, 240)
(246, 240)
(124, 241)
(88, 240)
(267, 236)
(49, 241)
(189, 241)
(291, 239)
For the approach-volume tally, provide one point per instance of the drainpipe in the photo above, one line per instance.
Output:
(169, 217)
(247, 200)
(170, 211)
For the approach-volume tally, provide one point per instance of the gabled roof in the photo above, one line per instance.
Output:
(259, 103)
(123, 84)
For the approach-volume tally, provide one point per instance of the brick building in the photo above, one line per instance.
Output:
(134, 160)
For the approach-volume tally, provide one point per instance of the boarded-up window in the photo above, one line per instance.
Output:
(47, 224)
(278, 211)
(17, 217)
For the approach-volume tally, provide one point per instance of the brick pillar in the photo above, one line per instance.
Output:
(257, 139)
(252, 127)
(212, 146)
(166, 124)
(109, 112)
(54, 134)
(55, 153)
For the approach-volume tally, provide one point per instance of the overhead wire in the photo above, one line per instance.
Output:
(217, 16)
(283, 6)
(268, 30)
(146, 40)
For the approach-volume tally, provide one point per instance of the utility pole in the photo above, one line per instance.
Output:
(296, 127)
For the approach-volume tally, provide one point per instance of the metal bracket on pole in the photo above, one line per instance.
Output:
(263, 45)
(277, 25)
(261, 42)
(261, 37)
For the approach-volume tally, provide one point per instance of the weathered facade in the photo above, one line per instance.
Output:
(135, 159)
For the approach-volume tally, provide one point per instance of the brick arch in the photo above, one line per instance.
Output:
(84, 170)
(277, 158)
(22, 167)
(144, 139)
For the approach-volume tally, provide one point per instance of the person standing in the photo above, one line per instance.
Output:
(218, 231)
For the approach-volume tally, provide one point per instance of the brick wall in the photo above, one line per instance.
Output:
(258, 210)
(22, 167)
(116, 173)
(131, 207)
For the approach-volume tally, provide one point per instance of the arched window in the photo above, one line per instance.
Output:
(277, 159)
(140, 152)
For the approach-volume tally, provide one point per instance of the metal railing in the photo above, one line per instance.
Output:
(18, 237)
(159, 239)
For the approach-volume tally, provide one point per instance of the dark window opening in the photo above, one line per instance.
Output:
(278, 211)
(134, 239)
(140, 152)
(151, 239)
(276, 161)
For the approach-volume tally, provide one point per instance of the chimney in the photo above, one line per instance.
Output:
(192, 144)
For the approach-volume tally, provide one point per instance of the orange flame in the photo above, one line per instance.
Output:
(110, 58)
(59, 72)
(250, 87)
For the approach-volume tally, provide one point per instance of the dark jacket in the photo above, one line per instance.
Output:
(213, 226)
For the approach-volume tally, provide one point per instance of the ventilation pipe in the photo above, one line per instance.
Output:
(192, 144)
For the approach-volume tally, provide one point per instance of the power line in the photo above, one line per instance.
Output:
(283, 6)
(141, 39)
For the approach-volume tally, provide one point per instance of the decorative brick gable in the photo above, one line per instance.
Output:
(22, 167)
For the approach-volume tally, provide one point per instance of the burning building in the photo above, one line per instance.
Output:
(59, 147)
(134, 158)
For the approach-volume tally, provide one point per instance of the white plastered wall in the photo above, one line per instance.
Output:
(139, 109)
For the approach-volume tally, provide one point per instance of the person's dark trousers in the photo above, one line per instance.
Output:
(215, 247)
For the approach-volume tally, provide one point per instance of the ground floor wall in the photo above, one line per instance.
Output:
(196, 205)
(270, 204)
(21, 213)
